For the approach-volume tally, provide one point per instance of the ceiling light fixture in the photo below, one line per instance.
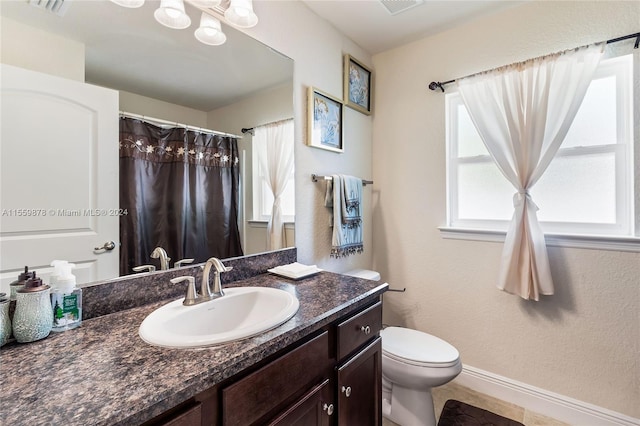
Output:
(210, 31)
(207, 4)
(132, 4)
(171, 14)
(240, 13)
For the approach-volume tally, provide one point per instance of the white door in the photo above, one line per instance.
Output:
(58, 176)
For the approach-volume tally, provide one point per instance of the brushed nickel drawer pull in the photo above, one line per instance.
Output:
(328, 409)
(347, 391)
(366, 329)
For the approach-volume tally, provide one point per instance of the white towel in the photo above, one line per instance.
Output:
(344, 196)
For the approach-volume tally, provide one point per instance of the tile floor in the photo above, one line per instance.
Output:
(454, 391)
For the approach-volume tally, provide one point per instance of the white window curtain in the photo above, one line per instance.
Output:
(275, 145)
(523, 113)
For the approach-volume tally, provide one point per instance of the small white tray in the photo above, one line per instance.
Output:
(279, 270)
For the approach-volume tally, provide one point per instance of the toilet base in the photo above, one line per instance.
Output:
(408, 407)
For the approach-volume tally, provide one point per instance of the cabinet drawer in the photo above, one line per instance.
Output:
(359, 329)
(315, 408)
(266, 391)
(190, 417)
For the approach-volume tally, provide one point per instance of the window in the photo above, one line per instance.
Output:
(262, 195)
(263, 198)
(588, 187)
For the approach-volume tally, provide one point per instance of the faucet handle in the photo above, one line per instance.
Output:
(190, 298)
(179, 263)
(144, 268)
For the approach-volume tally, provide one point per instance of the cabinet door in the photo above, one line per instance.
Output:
(314, 409)
(360, 388)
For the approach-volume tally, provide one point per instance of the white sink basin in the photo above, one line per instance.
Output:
(240, 313)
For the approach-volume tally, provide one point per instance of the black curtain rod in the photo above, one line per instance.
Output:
(435, 85)
(250, 129)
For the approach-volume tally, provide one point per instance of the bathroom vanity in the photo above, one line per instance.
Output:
(323, 366)
(332, 375)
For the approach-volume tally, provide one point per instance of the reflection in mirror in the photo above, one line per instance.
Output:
(155, 72)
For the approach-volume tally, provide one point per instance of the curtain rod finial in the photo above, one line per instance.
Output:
(435, 85)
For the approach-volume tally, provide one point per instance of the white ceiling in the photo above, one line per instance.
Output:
(372, 27)
(127, 49)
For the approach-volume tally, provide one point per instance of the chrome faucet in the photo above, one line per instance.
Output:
(217, 285)
(160, 253)
(144, 268)
(179, 263)
(206, 293)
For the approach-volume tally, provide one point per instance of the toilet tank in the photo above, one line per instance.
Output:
(364, 273)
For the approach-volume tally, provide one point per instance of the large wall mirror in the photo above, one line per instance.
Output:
(159, 73)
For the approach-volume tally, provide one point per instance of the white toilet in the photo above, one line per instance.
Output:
(413, 363)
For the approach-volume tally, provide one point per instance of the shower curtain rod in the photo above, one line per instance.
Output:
(161, 122)
(434, 85)
(251, 129)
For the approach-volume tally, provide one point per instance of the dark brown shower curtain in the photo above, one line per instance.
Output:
(180, 191)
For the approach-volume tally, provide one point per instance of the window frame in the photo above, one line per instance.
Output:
(621, 236)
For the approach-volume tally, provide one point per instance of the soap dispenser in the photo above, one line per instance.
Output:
(66, 298)
(33, 317)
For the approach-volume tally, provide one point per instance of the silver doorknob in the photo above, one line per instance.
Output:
(346, 391)
(108, 246)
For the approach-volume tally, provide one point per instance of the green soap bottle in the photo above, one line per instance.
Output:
(66, 298)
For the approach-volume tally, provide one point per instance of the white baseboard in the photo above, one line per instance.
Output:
(538, 400)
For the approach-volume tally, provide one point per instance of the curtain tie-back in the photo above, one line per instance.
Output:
(520, 197)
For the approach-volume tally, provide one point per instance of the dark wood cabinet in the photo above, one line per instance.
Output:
(357, 330)
(269, 391)
(359, 387)
(185, 415)
(330, 378)
(315, 408)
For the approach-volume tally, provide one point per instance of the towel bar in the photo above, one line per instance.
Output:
(315, 178)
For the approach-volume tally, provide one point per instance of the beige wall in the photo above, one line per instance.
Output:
(150, 107)
(584, 341)
(317, 50)
(47, 52)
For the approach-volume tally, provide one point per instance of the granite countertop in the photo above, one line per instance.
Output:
(103, 373)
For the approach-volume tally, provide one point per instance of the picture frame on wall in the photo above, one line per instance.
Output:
(358, 80)
(325, 121)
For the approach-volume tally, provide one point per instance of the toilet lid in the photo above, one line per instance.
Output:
(417, 348)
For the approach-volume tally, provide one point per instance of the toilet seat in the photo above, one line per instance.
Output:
(414, 347)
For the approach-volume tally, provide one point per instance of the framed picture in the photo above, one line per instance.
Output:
(324, 121)
(357, 85)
